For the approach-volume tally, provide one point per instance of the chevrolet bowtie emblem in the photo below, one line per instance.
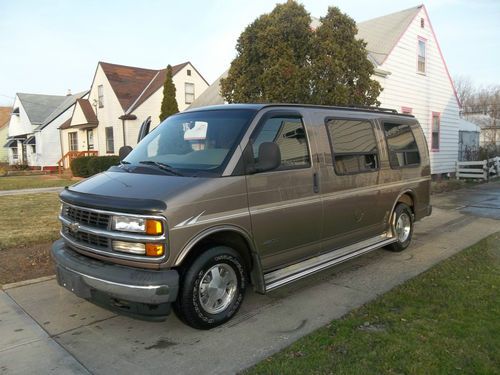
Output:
(74, 227)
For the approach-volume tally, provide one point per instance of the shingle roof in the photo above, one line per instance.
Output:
(88, 112)
(211, 96)
(133, 85)
(382, 33)
(68, 101)
(39, 107)
(65, 124)
(4, 116)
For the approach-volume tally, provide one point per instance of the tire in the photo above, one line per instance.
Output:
(212, 288)
(402, 218)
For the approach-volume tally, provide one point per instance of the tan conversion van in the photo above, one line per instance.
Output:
(219, 198)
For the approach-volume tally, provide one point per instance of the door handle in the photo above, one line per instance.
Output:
(315, 183)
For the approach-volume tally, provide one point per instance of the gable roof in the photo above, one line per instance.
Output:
(132, 85)
(5, 116)
(38, 107)
(68, 101)
(88, 112)
(382, 33)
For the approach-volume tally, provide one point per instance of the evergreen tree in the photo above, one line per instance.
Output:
(281, 59)
(169, 103)
(271, 65)
(340, 69)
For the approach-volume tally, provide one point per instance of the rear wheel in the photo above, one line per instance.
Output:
(212, 288)
(402, 226)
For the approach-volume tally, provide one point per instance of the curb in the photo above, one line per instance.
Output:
(27, 282)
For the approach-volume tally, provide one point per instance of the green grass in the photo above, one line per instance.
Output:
(31, 182)
(445, 321)
(28, 219)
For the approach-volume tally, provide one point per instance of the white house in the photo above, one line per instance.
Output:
(410, 67)
(120, 99)
(33, 136)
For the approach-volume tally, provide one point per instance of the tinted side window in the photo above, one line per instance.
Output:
(403, 149)
(289, 134)
(354, 146)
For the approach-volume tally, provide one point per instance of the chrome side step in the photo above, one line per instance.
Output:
(283, 276)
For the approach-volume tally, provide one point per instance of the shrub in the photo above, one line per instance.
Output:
(86, 166)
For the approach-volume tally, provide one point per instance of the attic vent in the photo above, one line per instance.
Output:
(189, 72)
(16, 111)
(422, 23)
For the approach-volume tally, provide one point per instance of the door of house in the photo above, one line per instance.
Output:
(90, 139)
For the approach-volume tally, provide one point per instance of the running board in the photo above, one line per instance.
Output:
(283, 276)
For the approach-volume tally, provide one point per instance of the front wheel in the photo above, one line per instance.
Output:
(402, 227)
(212, 288)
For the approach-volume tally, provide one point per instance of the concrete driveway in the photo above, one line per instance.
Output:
(44, 329)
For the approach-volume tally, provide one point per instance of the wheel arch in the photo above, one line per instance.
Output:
(232, 236)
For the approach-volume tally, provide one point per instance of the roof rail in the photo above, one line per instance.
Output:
(372, 108)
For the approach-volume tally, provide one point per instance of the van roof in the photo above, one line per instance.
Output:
(259, 106)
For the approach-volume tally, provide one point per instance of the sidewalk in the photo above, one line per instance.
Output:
(31, 191)
(26, 348)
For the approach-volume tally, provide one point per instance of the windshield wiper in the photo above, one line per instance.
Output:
(162, 166)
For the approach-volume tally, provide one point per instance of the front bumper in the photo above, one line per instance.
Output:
(121, 287)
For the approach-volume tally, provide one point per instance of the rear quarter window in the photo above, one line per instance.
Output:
(403, 150)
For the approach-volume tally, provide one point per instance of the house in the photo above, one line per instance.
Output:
(410, 67)
(4, 131)
(33, 136)
(120, 99)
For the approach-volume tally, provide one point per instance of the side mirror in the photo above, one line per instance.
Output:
(124, 151)
(144, 129)
(269, 157)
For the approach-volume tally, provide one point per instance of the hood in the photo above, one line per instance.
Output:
(128, 192)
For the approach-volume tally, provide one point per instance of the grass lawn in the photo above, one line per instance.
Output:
(27, 182)
(28, 219)
(445, 321)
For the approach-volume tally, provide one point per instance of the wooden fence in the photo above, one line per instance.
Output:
(482, 169)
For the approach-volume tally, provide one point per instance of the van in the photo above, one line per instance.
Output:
(218, 199)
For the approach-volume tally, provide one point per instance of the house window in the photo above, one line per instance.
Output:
(290, 136)
(33, 149)
(15, 155)
(421, 56)
(110, 142)
(422, 23)
(436, 127)
(406, 110)
(402, 146)
(100, 94)
(15, 112)
(189, 91)
(354, 146)
(189, 72)
(73, 141)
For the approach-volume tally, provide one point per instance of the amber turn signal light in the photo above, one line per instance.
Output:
(154, 249)
(154, 226)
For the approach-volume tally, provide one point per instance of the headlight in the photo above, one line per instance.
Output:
(137, 224)
(149, 249)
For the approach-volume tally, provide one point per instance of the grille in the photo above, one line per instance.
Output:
(87, 238)
(85, 217)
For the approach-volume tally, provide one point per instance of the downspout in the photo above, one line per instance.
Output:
(123, 130)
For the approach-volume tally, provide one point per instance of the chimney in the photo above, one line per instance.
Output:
(69, 92)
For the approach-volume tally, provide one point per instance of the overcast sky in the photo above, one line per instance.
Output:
(50, 46)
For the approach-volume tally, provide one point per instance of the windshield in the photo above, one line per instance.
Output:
(196, 143)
